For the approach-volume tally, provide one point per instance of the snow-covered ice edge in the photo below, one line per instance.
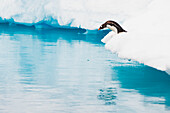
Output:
(148, 38)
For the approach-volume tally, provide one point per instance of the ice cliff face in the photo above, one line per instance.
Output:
(88, 14)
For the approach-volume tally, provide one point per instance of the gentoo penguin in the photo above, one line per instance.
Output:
(112, 25)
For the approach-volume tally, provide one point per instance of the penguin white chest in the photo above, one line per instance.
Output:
(112, 28)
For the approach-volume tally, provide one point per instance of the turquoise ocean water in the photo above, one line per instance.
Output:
(63, 71)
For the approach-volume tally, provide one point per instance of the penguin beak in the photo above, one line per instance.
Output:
(98, 29)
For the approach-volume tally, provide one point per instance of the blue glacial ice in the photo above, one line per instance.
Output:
(88, 14)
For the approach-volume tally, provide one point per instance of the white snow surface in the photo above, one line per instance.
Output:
(88, 14)
(148, 38)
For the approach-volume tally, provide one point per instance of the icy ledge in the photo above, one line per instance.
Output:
(86, 14)
(140, 48)
(147, 40)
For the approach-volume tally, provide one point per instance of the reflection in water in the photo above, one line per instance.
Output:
(108, 95)
(147, 81)
(67, 72)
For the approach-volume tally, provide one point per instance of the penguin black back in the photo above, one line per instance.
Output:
(115, 24)
(112, 24)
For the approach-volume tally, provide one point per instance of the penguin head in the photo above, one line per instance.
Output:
(103, 26)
